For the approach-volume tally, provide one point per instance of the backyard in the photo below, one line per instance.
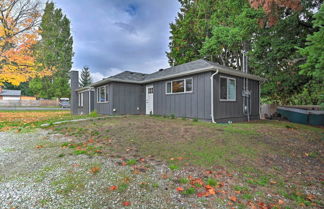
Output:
(158, 162)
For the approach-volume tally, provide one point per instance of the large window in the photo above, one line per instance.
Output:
(179, 86)
(80, 99)
(227, 89)
(102, 95)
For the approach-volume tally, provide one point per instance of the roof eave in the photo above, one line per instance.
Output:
(200, 70)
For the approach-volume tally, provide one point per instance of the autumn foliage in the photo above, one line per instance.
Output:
(272, 7)
(18, 35)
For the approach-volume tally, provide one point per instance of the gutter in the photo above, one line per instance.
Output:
(212, 96)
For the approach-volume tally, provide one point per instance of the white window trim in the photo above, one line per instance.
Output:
(106, 99)
(227, 89)
(185, 84)
(80, 103)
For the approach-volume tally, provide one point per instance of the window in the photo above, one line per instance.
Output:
(102, 95)
(179, 86)
(150, 90)
(227, 89)
(80, 99)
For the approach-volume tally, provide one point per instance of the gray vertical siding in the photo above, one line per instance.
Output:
(233, 110)
(74, 76)
(190, 105)
(104, 108)
(92, 100)
(85, 109)
(128, 98)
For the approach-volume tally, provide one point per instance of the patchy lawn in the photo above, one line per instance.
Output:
(31, 119)
(158, 162)
(261, 164)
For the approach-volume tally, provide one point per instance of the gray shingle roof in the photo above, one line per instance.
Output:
(127, 75)
(179, 69)
(6, 92)
(196, 66)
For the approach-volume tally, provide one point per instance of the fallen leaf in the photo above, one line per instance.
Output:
(180, 189)
(273, 182)
(280, 202)
(233, 198)
(202, 194)
(126, 203)
(237, 192)
(123, 163)
(95, 169)
(112, 188)
(39, 146)
(90, 140)
(211, 191)
(221, 184)
(172, 158)
(164, 176)
(310, 197)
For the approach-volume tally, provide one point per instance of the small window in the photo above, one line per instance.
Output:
(227, 89)
(80, 99)
(150, 90)
(189, 84)
(179, 86)
(168, 87)
(102, 95)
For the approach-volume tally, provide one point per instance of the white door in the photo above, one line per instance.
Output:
(149, 99)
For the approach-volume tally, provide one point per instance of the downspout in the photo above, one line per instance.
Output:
(89, 100)
(212, 96)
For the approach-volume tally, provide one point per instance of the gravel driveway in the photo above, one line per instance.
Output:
(36, 172)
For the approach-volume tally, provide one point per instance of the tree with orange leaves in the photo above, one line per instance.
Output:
(272, 8)
(18, 34)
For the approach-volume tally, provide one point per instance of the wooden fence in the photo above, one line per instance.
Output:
(28, 103)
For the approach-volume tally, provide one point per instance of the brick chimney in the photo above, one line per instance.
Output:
(74, 76)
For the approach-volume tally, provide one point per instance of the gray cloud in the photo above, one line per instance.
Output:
(111, 36)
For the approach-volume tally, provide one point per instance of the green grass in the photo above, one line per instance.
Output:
(189, 191)
(122, 187)
(131, 162)
(239, 148)
(184, 181)
(69, 183)
(174, 167)
(211, 182)
(262, 181)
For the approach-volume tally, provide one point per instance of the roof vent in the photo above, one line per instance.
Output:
(161, 70)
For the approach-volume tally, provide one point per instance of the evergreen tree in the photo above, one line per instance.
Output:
(54, 51)
(85, 79)
(314, 66)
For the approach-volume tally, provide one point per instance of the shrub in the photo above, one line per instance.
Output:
(93, 114)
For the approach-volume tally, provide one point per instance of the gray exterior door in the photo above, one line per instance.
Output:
(149, 99)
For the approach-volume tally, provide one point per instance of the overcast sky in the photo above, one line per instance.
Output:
(111, 36)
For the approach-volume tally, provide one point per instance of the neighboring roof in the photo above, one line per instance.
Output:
(189, 68)
(6, 92)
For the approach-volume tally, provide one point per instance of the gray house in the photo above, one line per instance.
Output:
(198, 89)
